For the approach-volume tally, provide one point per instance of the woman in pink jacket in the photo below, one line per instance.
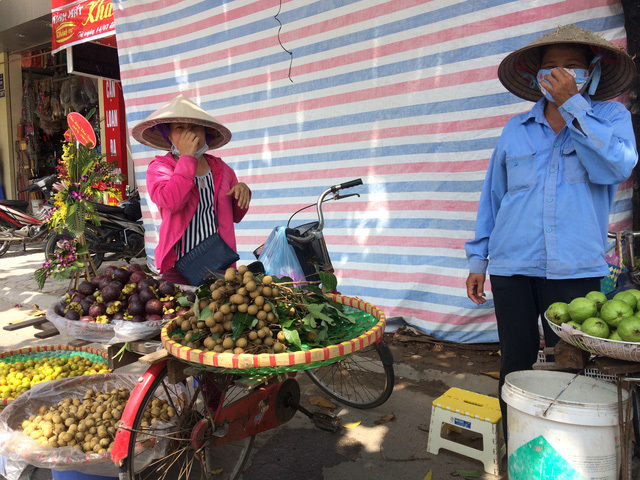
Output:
(189, 187)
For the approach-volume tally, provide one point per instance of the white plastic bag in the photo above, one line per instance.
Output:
(279, 258)
(21, 450)
(118, 331)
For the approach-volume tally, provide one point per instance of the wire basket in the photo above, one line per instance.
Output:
(620, 350)
(367, 330)
(50, 351)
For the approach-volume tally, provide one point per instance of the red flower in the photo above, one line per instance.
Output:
(100, 186)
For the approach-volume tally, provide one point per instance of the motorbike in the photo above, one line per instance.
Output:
(120, 235)
(17, 225)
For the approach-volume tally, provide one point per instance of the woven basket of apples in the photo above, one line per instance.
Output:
(123, 304)
(602, 326)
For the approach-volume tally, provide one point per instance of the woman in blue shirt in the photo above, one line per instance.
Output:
(543, 215)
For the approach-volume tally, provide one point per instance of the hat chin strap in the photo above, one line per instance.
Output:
(594, 77)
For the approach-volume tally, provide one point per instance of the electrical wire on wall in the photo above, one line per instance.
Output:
(280, 42)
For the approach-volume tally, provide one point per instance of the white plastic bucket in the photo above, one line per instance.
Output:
(578, 439)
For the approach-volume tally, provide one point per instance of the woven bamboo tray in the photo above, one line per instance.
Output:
(368, 316)
(620, 350)
(50, 351)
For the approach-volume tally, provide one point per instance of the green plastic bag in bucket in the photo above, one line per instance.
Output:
(573, 437)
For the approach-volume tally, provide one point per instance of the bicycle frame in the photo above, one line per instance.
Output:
(263, 409)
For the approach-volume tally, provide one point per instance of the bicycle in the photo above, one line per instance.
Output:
(220, 408)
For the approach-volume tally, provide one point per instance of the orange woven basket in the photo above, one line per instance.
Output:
(287, 361)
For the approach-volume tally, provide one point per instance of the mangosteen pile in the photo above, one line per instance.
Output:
(125, 293)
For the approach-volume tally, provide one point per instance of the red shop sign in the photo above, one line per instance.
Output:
(78, 21)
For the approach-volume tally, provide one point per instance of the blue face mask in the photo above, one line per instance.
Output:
(581, 76)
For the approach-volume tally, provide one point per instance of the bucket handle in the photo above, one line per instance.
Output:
(544, 414)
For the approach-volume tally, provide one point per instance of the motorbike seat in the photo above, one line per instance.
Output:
(110, 209)
(17, 204)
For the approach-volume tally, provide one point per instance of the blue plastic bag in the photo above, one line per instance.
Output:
(279, 258)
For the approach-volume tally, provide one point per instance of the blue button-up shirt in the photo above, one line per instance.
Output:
(544, 207)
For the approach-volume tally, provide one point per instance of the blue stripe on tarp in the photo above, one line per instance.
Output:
(391, 151)
(288, 17)
(435, 108)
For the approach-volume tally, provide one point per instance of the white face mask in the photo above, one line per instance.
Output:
(200, 152)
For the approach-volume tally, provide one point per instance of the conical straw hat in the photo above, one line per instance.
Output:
(178, 110)
(618, 70)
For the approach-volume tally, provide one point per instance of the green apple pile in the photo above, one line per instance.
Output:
(595, 315)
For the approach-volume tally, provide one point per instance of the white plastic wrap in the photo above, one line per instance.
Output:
(118, 331)
(21, 450)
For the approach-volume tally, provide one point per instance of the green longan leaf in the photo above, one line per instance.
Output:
(319, 296)
(338, 313)
(328, 280)
(287, 323)
(309, 321)
(183, 301)
(322, 335)
(292, 336)
(316, 311)
(240, 322)
(204, 313)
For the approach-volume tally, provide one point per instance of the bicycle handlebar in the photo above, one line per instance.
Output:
(316, 232)
(352, 183)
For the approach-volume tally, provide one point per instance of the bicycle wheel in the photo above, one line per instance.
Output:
(167, 452)
(362, 380)
(92, 240)
(635, 399)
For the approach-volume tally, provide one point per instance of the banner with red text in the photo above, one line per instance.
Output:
(78, 21)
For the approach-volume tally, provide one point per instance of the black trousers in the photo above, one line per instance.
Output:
(519, 302)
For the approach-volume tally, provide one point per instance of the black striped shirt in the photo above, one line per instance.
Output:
(202, 225)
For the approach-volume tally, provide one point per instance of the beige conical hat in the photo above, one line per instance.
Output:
(618, 70)
(178, 110)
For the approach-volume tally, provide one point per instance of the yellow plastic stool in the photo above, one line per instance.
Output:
(474, 412)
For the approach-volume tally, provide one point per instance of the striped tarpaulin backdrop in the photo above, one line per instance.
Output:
(401, 93)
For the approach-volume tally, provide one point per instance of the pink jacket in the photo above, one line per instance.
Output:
(172, 188)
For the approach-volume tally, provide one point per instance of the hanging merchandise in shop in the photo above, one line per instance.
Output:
(49, 94)
(77, 21)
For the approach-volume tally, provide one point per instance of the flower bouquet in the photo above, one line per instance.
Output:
(85, 175)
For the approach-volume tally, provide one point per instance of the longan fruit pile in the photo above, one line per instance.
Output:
(88, 424)
(240, 291)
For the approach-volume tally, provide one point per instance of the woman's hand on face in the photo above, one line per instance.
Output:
(187, 142)
(241, 192)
